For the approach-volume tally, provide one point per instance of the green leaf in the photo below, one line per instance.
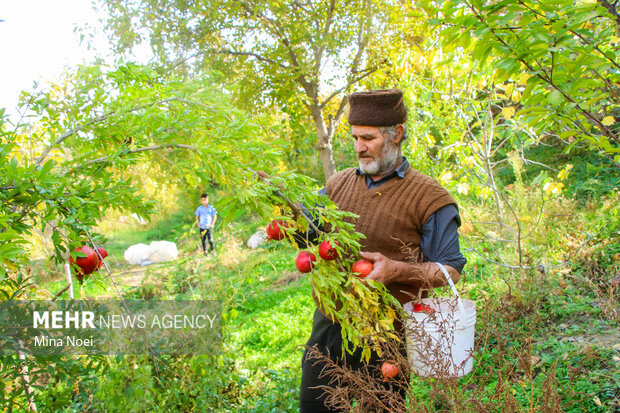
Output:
(555, 98)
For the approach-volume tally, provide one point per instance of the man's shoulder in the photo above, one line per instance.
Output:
(430, 194)
(416, 177)
(338, 176)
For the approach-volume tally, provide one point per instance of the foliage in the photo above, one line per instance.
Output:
(343, 296)
(66, 169)
(495, 145)
(555, 60)
(300, 56)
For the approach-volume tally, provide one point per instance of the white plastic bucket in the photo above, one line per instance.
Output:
(441, 344)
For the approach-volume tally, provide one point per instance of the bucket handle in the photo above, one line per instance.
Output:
(456, 293)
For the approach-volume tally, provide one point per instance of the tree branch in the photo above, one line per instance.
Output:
(586, 41)
(297, 210)
(592, 118)
(321, 49)
(135, 150)
(335, 121)
(350, 83)
(98, 119)
(363, 40)
(611, 9)
(250, 54)
(274, 28)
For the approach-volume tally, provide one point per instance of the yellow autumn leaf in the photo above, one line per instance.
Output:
(608, 120)
(282, 167)
(564, 172)
(523, 78)
(553, 188)
(485, 192)
(508, 112)
(301, 225)
(430, 139)
(277, 211)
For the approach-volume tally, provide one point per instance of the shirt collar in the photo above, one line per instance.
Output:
(400, 171)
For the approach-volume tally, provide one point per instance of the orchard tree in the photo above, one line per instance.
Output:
(558, 60)
(63, 171)
(303, 56)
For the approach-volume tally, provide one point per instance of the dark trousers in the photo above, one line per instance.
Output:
(206, 234)
(327, 336)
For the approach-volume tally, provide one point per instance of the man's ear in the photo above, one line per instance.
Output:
(400, 132)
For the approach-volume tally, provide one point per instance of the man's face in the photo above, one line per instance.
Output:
(205, 201)
(377, 155)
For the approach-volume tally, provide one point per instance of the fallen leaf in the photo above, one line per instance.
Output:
(597, 401)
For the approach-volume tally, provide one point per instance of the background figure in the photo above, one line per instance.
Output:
(206, 215)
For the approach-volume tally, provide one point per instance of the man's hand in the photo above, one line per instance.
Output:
(420, 275)
(384, 270)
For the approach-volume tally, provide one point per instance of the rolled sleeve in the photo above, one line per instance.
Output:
(440, 238)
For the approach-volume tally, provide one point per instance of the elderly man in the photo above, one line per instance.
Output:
(400, 211)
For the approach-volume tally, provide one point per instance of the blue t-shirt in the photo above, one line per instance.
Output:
(205, 215)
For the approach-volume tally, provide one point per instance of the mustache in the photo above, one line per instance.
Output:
(364, 155)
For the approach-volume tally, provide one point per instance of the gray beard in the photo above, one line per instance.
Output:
(390, 154)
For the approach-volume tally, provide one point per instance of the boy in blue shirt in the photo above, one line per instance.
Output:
(206, 215)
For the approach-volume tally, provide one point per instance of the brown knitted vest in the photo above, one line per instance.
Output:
(391, 216)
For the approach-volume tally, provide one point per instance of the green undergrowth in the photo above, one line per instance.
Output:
(543, 340)
(266, 321)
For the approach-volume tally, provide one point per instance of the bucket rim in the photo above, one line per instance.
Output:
(460, 320)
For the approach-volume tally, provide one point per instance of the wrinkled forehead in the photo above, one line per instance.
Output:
(365, 131)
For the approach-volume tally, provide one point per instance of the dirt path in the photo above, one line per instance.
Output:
(125, 277)
(131, 277)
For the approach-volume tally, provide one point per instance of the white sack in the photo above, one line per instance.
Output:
(257, 239)
(137, 253)
(162, 251)
(156, 251)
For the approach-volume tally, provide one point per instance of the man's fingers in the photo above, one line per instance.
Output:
(370, 256)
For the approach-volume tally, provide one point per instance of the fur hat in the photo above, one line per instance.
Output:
(377, 108)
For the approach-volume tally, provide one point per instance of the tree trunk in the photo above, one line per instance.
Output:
(324, 144)
(612, 9)
(327, 158)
